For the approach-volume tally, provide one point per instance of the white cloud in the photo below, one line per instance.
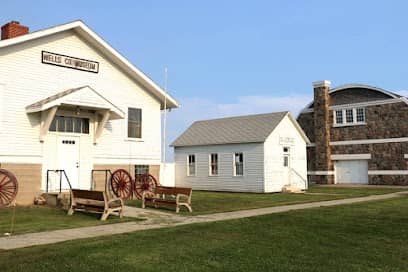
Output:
(197, 108)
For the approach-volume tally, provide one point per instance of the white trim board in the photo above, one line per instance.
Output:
(342, 157)
(366, 141)
(320, 173)
(388, 172)
(370, 172)
(24, 159)
(361, 104)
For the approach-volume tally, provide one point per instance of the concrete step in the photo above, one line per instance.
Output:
(61, 200)
(291, 189)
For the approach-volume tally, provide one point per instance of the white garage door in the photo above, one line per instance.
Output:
(353, 171)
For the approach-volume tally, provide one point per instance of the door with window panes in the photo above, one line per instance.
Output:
(286, 165)
(68, 131)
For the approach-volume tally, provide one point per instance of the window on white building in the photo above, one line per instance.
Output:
(350, 116)
(134, 123)
(191, 165)
(238, 164)
(213, 164)
(286, 156)
(141, 169)
(70, 124)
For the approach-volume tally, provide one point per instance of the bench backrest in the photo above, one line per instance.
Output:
(94, 195)
(172, 190)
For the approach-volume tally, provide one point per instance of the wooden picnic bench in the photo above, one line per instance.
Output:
(163, 196)
(96, 201)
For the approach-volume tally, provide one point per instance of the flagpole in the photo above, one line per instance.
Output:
(164, 122)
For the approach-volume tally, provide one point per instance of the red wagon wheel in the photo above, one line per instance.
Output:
(8, 188)
(121, 184)
(144, 182)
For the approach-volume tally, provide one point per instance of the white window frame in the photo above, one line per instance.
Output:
(234, 164)
(137, 139)
(286, 156)
(344, 117)
(70, 132)
(210, 164)
(188, 165)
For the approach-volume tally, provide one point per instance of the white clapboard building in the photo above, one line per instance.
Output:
(70, 101)
(255, 153)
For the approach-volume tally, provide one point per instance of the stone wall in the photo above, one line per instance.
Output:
(388, 179)
(387, 156)
(383, 121)
(322, 129)
(306, 121)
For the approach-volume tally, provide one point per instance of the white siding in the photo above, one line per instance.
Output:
(167, 174)
(275, 177)
(2, 90)
(251, 181)
(27, 80)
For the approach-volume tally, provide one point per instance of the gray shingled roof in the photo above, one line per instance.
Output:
(241, 129)
(53, 98)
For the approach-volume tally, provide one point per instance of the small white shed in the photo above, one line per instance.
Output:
(255, 153)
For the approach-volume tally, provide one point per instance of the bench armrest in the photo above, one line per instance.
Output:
(116, 199)
(183, 195)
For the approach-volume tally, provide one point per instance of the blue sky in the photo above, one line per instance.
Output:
(240, 57)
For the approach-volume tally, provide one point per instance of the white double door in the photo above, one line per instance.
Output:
(69, 160)
(352, 171)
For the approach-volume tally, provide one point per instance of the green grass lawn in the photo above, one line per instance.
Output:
(371, 236)
(36, 218)
(213, 202)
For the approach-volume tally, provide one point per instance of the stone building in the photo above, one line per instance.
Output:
(357, 135)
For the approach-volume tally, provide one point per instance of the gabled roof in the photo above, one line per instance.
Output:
(84, 96)
(91, 37)
(233, 130)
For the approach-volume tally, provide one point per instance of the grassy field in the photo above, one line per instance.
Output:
(370, 236)
(213, 202)
(35, 219)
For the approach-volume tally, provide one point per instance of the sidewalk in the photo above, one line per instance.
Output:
(156, 220)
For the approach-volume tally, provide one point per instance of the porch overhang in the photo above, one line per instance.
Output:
(80, 98)
(77, 99)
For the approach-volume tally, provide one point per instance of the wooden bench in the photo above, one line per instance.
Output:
(168, 197)
(96, 201)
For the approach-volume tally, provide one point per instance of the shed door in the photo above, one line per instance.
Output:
(353, 171)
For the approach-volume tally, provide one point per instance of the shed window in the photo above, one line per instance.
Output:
(191, 163)
(238, 164)
(70, 125)
(134, 123)
(214, 164)
(286, 156)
